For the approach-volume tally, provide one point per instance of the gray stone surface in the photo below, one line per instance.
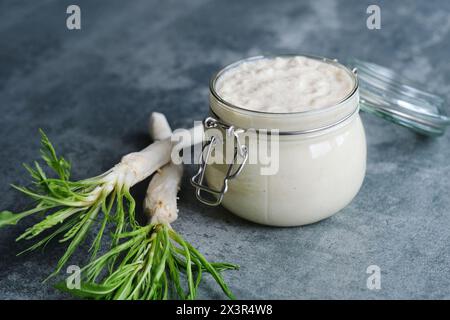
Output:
(92, 91)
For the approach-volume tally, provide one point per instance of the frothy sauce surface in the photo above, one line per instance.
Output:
(284, 85)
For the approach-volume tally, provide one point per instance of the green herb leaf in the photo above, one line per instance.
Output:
(48, 153)
(9, 218)
(143, 263)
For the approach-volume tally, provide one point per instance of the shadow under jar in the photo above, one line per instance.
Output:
(321, 159)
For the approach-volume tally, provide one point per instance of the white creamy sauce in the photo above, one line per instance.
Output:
(284, 85)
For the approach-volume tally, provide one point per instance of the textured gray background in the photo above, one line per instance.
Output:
(92, 91)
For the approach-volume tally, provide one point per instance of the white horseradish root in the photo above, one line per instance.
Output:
(137, 166)
(160, 203)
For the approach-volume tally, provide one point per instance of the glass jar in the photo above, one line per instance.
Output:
(321, 160)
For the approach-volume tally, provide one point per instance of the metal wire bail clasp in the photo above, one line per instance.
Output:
(240, 150)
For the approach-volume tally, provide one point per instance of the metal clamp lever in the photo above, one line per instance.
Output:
(240, 150)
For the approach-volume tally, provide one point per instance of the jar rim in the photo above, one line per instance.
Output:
(216, 76)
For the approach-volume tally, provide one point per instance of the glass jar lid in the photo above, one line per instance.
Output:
(385, 93)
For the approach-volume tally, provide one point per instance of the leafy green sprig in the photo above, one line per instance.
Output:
(71, 208)
(148, 264)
